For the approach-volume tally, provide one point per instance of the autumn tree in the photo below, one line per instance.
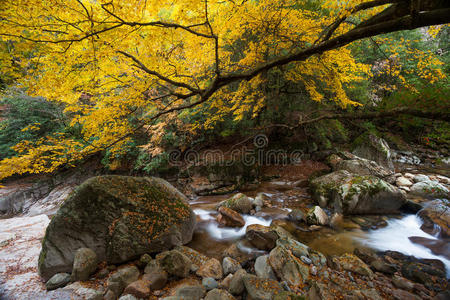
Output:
(119, 67)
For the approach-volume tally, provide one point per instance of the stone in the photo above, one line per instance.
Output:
(362, 167)
(176, 263)
(239, 203)
(296, 215)
(421, 178)
(261, 288)
(352, 263)
(229, 218)
(436, 212)
(119, 280)
(209, 283)
(288, 267)
(404, 295)
(295, 247)
(383, 267)
(144, 260)
(402, 283)
(212, 268)
(402, 181)
(225, 283)
(119, 218)
(217, 294)
(429, 189)
(260, 236)
(196, 257)
(230, 266)
(57, 281)
(191, 292)
(374, 148)
(237, 283)
(157, 278)
(260, 200)
(351, 194)
(139, 289)
(78, 290)
(316, 216)
(263, 268)
(128, 297)
(84, 264)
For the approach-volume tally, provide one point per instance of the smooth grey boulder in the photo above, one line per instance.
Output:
(263, 268)
(429, 189)
(119, 218)
(84, 264)
(57, 281)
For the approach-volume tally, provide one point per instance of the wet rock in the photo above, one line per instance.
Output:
(119, 218)
(438, 247)
(225, 283)
(209, 283)
(436, 212)
(217, 294)
(383, 267)
(239, 203)
(402, 283)
(261, 288)
(237, 282)
(316, 216)
(77, 290)
(352, 263)
(229, 218)
(176, 263)
(429, 189)
(57, 281)
(259, 201)
(403, 295)
(144, 260)
(262, 237)
(421, 273)
(84, 264)
(411, 206)
(128, 297)
(139, 289)
(322, 187)
(295, 247)
(366, 255)
(374, 148)
(263, 268)
(296, 215)
(122, 278)
(236, 253)
(402, 181)
(230, 266)
(212, 268)
(288, 267)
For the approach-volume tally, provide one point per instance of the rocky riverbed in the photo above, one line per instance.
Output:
(350, 229)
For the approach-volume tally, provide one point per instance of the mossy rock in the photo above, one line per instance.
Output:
(373, 148)
(119, 218)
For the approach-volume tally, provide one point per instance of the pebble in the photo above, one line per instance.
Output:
(306, 260)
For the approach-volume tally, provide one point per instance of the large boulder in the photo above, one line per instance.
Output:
(374, 148)
(287, 266)
(239, 202)
(119, 218)
(363, 166)
(429, 189)
(352, 194)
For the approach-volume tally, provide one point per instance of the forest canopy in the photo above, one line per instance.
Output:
(118, 68)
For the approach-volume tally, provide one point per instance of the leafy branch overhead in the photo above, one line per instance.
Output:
(121, 66)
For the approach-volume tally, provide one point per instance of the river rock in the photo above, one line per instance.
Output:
(229, 218)
(237, 282)
(217, 294)
(197, 258)
(139, 289)
(429, 189)
(212, 268)
(240, 203)
(230, 266)
(119, 280)
(352, 194)
(261, 288)
(316, 216)
(84, 264)
(190, 292)
(436, 212)
(119, 218)
(57, 281)
(363, 166)
(420, 178)
(262, 237)
(374, 148)
(155, 274)
(263, 268)
(288, 267)
(175, 263)
(296, 215)
(209, 283)
(352, 263)
(402, 181)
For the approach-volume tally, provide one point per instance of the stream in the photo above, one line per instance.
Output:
(392, 234)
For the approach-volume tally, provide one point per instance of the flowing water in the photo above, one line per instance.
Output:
(212, 240)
